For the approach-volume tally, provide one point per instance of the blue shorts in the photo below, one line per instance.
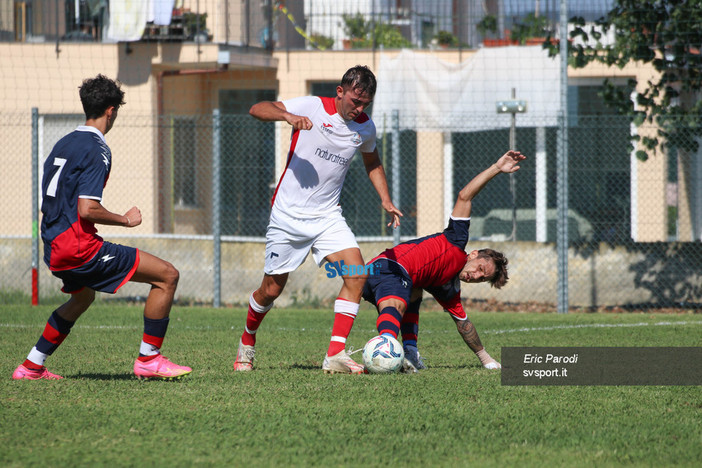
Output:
(390, 280)
(107, 271)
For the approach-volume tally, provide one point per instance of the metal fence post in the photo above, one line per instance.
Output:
(396, 169)
(562, 170)
(449, 199)
(541, 183)
(216, 211)
(35, 206)
(512, 178)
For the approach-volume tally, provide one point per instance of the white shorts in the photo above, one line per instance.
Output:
(290, 239)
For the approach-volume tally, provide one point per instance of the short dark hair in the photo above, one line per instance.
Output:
(500, 277)
(98, 94)
(361, 79)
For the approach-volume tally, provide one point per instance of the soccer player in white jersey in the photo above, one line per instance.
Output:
(306, 216)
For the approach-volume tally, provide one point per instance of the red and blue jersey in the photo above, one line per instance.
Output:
(78, 167)
(431, 263)
(448, 295)
(433, 260)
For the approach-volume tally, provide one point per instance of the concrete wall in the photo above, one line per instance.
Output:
(599, 275)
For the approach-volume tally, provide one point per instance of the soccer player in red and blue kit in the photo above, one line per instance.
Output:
(75, 174)
(437, 263)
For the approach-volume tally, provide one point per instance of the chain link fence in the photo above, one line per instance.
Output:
(204, 181)
(206, 206)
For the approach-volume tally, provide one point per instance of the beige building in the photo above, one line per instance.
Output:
(166, 79)
(165, 158)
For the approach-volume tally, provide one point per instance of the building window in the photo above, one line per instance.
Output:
(598, 175)
(247, 168)
(184, 153)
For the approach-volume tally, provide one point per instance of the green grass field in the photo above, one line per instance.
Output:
(287, 412)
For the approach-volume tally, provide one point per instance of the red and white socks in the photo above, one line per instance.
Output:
(253, 320)
(344, 315)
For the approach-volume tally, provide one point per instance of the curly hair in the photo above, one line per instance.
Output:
(361, 79)
(98, 94)
(500, 277)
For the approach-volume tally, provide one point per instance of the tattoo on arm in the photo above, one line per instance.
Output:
(469, 334)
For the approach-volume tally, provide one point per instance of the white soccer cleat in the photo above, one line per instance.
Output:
(408, 367)
(341, 363)
(413, 358)
(244, 357)
(493, 365)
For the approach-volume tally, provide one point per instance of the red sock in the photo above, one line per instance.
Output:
(147, 358)
(344, 315)
(254, 317)
(30, 365)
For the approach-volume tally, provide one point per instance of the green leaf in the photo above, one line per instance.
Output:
(642, 155)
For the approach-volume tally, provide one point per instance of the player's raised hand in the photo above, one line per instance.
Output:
(394, 212)
(298, 122)
(133, 217)
(509, 162)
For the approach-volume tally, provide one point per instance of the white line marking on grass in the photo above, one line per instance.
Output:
(102, 327)
(590, 325)
(482, 332)
(95, 327)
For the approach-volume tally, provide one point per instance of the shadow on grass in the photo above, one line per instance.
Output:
(82, 376)
(108, 377)
(455, 367)
(305, 367)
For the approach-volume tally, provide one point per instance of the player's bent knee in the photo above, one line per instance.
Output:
(355, 282)
(173, 275)
(82, 300)
(169, 277)
(271, 292)
(87, 297)
(397, 304)
(271, 287)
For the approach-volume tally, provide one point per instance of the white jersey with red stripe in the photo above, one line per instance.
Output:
(319, 158)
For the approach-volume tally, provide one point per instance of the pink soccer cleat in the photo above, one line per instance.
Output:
(159, 368)
(30, 374)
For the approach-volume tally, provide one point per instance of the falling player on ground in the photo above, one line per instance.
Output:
(438, 263)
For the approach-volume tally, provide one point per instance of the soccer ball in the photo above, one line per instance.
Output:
(383, 354)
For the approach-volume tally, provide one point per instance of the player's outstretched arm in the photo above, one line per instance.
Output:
(268, 111)
(93, 211)
(508, 163)
(470, 335)
(376, 174)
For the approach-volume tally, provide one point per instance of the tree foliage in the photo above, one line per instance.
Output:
(365, 34)
(487, 25)
(446, 38)
(530, 26)
(667, 34)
